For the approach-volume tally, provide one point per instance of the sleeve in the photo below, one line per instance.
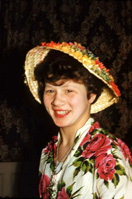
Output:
(43, 158)
(113, 174)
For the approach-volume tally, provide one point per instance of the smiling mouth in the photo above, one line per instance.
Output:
(61, 113)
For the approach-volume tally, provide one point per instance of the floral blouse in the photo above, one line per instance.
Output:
(98, 167)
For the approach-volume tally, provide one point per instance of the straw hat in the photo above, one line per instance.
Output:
(109, 95)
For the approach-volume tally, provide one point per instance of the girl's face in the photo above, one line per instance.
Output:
(67, 103)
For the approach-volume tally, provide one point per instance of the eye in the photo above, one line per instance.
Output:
(49, 91)
(69, 91)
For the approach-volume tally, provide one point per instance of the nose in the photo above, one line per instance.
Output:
(58, 99)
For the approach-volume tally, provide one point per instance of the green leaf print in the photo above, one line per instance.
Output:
(115, 155)
(74, 195)
(77, 170)
(106, 183)
(85, 167)
(60, 185)
(50, 159)
(114, 146)
(95, 196)
(69, 189)
(131, 178)
(91, 167)
(52, 166)
(122, 197)
(120, 169)
(97, 175)
(115, 179)
(78, 162)
(78, 152)
(94, 132)
(76, 139)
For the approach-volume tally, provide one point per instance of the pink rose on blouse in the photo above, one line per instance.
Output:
(106, 166)
(98, 145)
(55, 149)
(49, 148)
(86, 139)
(130, 160)
(62, 194)
(124, 148)
(55, 138)
(43, 186)
(94, 126)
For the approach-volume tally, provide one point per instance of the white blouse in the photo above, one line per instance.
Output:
(99, 166)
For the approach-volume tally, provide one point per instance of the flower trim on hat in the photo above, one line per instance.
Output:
(87, 58)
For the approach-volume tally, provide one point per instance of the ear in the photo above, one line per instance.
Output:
(92, 97)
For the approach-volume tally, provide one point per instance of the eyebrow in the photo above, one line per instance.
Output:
(63, 83)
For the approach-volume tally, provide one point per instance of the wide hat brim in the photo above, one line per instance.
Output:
(110, 93)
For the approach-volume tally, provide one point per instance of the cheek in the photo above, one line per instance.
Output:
(46, 101)
(73, 100)
(78, 101)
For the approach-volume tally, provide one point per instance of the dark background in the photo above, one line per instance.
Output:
(105, 27)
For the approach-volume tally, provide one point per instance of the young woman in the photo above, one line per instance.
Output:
(84, 161)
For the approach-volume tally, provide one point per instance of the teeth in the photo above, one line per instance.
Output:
(62, 112)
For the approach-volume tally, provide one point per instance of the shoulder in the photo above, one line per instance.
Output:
(109, 151)
(100, 142)
(47, 154)
(111, 156)
(100, 134)
(50, 146)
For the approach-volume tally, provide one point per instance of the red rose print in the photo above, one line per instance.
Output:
(106, 166)
(86, 139)
(55, 138)
(125, 150)
(99, 144)
(43, 186)
(130, 160)
(94, 126)
(49, 148)
(55, 149)
(62, 194)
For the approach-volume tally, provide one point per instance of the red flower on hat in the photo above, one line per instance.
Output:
(43, 43)
(51, 44)
(115, 88)
(100, 64)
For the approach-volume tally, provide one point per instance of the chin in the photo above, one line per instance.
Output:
(60, 124)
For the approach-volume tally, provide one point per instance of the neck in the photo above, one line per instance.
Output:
(68, 134)
(67, 137)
